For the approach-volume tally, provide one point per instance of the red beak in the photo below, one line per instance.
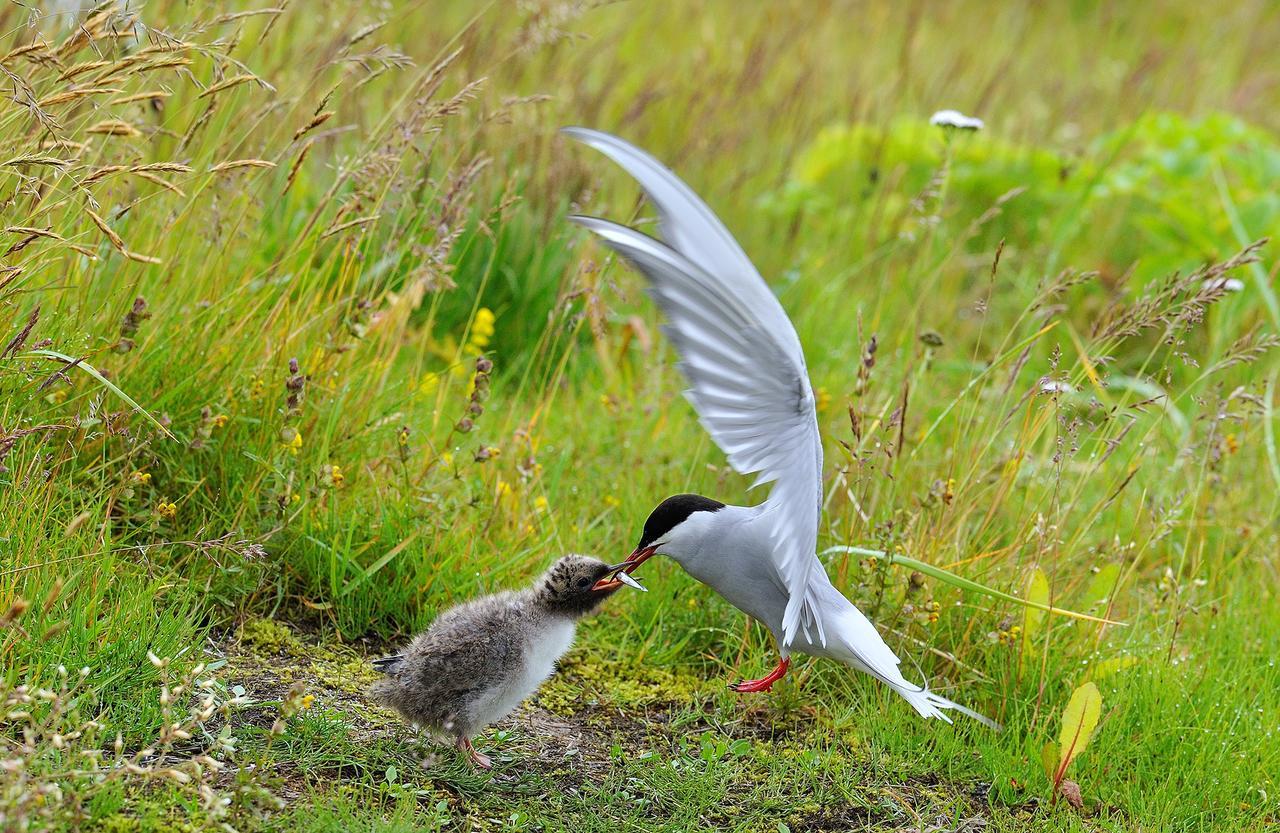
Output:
(637, 557)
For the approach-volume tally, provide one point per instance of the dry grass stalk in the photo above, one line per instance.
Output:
(360, 221)
(105, 229)
(76, 95)
(146, 95)
(163, 183)
(297, 164)
(114, 127)
(80, 69)
(223, 167)
(316, 120)
(228, 83)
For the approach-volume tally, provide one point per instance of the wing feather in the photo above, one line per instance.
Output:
(742, 359)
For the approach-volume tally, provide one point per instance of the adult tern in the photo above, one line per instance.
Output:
(749, 385)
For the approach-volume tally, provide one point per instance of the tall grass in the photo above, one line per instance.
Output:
(334, 357)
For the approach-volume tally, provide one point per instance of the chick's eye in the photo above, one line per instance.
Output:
(582, 582)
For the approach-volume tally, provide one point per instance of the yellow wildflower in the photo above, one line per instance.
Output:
(307, 701)
(612, 502)
(294, 443)
(336, 475)
(166, 509)
(1233, 444)
(482, 330)
(220, 421)
(141, 477)
(540, 503)
(1009, 636)
(822, 398)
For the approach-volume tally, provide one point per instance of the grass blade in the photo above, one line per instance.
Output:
(1012, 351)
(967, 584)
(1260, 278)
(368, 572)
(105, 382)
(1269, 428)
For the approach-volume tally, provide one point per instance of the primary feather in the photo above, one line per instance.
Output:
(741, 356)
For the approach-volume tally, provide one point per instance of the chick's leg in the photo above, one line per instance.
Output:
(478, 758)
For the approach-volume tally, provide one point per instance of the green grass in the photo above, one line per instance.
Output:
(413, 188)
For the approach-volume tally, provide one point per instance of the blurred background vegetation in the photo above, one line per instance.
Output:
(252, 255)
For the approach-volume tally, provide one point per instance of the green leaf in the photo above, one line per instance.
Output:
(963, 583)
(104, 381)
(392, 774)
(1103, 585)
(1113, 666)
(1049, 759)
(1078, 722)
(1037, 596)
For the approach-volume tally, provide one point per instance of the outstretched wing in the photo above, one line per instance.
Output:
(741, 357)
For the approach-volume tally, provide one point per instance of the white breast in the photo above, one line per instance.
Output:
(545, 647)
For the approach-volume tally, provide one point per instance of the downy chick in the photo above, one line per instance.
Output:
(481, 659)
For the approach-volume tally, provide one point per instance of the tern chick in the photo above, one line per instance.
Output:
(481, 659)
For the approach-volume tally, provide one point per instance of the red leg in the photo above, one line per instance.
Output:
(766, 682)
(476, 757)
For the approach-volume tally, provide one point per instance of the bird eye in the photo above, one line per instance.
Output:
(582, 582)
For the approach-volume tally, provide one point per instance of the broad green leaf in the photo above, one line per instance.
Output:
(1078, 722)
(1111, 666)
(1102, 586)
(1049, 759)
(963, 583)
(1033, 617)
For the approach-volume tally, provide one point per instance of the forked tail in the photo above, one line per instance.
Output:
(929, 704)
(856, 642)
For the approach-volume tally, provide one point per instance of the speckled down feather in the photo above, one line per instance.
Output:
(481, 659)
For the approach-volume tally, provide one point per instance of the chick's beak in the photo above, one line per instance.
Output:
(620, 574)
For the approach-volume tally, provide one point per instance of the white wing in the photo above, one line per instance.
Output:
(741, 357)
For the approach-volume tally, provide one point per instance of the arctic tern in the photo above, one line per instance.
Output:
(749, 385)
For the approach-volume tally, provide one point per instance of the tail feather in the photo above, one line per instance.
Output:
(930, 705)
(856, 642)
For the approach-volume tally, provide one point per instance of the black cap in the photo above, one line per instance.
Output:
(671, 513)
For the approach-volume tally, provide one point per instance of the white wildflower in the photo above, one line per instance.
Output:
(956, 119)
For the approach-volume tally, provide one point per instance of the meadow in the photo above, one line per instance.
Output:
(297, 348)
